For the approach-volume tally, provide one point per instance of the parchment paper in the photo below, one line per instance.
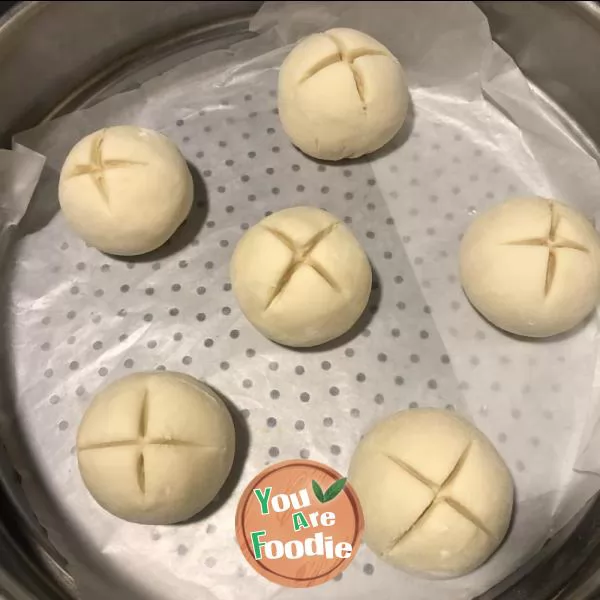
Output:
(476, 134)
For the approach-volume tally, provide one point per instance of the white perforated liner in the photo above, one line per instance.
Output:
(81, 319)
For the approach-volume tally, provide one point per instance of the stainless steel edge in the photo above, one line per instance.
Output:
(58, 55)
(557, 46)
(48, 49)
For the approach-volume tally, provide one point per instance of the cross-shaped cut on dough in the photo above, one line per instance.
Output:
(346, 56)
(301, 255)
(552, 244)
(142, 441)
(98, 166)
(438, 495)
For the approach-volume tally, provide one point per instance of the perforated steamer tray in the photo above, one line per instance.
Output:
(81, 319)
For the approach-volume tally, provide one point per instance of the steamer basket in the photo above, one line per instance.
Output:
(56, 57)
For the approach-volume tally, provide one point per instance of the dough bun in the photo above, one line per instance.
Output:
(125, 190)
(531, 266)
(301, 277)
(155, 448)
(436, 495)
(341, 94)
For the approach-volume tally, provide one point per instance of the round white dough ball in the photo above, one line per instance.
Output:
(301, 277)
(342, 94)
(436, 496)
(531, 266)
(155, 448)
(125, 190)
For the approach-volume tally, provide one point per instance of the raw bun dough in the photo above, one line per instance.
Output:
(531, 266)
(436, 495)
(342, 94)
(125, 190)
(155, 448)
(300, 277)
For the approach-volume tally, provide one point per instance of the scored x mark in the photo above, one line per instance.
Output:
(438, 495)
(301, 255)
(142, 441)
(98, 166)
(550, 241)
(348, 57)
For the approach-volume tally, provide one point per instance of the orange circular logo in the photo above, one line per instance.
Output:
(299, 523)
